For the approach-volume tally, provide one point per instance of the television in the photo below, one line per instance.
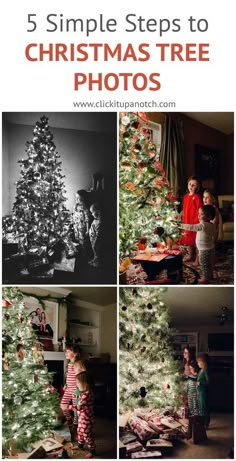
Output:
(220, 342)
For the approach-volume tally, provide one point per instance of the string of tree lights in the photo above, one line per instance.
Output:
(149, 375)
(147, 203)
(29, 405)
(40, 217)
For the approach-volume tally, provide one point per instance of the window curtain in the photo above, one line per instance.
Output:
(172, 155)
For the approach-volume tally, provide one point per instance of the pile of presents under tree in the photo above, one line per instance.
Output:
(147, 433)
(53, 446)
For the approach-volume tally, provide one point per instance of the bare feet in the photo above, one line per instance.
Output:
(203, 281)
(195, 263)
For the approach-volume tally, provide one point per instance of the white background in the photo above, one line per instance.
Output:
(44, 86)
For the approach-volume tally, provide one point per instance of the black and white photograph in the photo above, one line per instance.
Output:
(59, 206)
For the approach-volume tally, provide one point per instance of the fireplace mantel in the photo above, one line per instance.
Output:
(55, 357)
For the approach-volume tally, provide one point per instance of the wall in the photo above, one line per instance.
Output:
(109, 331)
(82, 154)
(5, 172)
(62, 320)
(203, 332)
(197, 133)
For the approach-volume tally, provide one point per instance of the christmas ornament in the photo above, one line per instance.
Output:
(33, 154)
(135, 124)
(6, 303)
(149, 306)
(142, 243)
(124, 308)
(159, 231)
(125, 120)
(142, 392)
(20, 352)
(37, 176)
(17, 399)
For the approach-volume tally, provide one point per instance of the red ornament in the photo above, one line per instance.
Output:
(6, 303)
(130, 186)
(142, 243)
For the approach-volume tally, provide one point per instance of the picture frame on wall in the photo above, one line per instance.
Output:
(44, 319)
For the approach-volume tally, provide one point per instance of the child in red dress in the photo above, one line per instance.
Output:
(191, 204)
(85, 413)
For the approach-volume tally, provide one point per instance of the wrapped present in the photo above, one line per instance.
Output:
(136, 275)
(172, 435)
(184, 423)
(146, 413)
(146, 454)
(155, 424)
(37, 250)
(48, 444)
(9, 249)
(141, 428)
(124, 264)
(170, 422)
(182, 412)
(37, 453)
(164, 445)
(129, 437)
(133, 447)
(169, 411)
(67, 265)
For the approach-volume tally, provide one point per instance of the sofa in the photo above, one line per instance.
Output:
(226, 221)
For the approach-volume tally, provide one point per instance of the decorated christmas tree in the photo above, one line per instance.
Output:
(149, 374)
(28, 404)
(147, 204)
(40, 218)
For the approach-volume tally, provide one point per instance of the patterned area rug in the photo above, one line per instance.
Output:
(223, 269)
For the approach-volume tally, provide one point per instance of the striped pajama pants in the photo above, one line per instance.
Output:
(67, 401)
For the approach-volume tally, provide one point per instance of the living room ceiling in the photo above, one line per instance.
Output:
(198, 305)
(221, 121)
(83, 121)
(100, 296)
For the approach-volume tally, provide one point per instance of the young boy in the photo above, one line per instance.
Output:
(205, 240)
(96, 235)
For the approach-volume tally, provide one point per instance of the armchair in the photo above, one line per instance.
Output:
(226, 223)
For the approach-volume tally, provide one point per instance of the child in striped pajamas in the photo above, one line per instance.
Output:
(79, 366)
(72, 353)
(85, 413)
(205, 240)
(192, 389)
